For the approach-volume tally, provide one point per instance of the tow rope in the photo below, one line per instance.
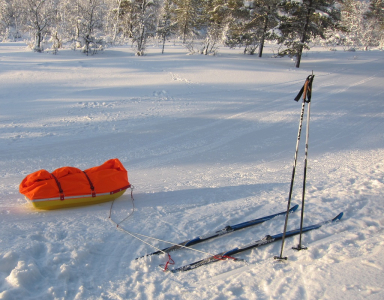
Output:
(137, 236)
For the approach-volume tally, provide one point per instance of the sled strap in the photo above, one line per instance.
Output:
(169, 262)
(224, 257)
(59, 186)
(306, 90)
(91, 185)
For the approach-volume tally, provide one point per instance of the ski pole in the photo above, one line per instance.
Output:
(307, 93)
(292, 181)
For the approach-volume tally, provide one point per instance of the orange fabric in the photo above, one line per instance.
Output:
(106, 178)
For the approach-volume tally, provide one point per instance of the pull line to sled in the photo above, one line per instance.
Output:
(130, 214)
(136, 235)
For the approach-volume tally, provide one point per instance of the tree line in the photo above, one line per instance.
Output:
(201, 25)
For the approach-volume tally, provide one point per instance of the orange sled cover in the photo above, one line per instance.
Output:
(68, 186)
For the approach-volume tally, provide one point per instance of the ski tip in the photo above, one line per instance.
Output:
(294, 208)
(338, 217)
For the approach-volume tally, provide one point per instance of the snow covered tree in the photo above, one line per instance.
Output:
(113, 19)
(5, 18)
(82, 23)
(304, 21)
(16, 18)
(376, 11)
(118, 23)
(268, 14)
(68, 19)
(252, 24)
(188, 18)
(375, 14)
(362, 28)
(124, 16)
(40, 15)
(215, 19)
(143, 23)
(90, 20)
(240, 32)
(165, 26)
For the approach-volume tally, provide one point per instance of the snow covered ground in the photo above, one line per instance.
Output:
(208, 141)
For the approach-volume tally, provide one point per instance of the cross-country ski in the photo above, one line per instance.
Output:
(264, 241)
(226, 230)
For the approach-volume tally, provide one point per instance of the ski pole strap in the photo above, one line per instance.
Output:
(306, 90)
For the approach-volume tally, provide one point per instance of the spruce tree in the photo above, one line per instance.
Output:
(188, 18)
(216, 17)
(268, 15)
(252, 24)
(375, 14)
(306, 20)
(376, 11)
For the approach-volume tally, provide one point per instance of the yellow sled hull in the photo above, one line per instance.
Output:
(49, 204)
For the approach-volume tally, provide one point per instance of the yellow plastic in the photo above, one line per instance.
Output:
(57, 203)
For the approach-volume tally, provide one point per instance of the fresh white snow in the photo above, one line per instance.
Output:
(208, 141)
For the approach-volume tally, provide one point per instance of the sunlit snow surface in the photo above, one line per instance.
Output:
(208, 141)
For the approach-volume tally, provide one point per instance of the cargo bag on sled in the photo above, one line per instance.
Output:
(68, 186)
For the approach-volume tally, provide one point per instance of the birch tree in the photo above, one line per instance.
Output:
(39, 15)
(166, 26)
(144, 20)
(90, 20)
(5, 18)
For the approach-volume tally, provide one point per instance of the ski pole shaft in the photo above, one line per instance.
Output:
(307, 95)
(305, 175)
(292, 179)
(306, 92)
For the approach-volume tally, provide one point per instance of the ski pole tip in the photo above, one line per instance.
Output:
(300, 247)
(280, 258)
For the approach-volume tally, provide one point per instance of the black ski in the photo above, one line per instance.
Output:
(266, 240)
(225, 230)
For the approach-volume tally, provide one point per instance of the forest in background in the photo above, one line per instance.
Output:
(201, 25)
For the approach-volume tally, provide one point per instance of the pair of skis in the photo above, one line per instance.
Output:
(264, 241)
(229, 229)
(225, 230)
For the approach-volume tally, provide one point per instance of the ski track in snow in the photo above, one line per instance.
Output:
(208, 142)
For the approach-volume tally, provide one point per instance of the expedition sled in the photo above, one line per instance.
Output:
(69, 186)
